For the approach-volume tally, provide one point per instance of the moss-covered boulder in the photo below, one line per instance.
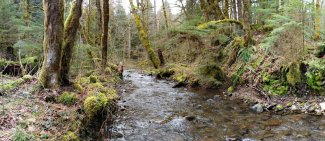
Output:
(93, 79)
(94, 104)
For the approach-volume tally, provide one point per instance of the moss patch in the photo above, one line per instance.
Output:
(94, 104)
(67, 98)
(70, 136)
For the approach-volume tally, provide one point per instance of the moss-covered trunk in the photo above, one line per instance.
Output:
(247, 21)
(53, 39)
(144, 37)
(70, 32)
(105, 20)
(165, 13)
(317, 21)
(99, 21)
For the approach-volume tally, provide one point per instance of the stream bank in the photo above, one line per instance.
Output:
(152, 110)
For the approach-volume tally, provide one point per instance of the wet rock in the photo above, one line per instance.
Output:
(293, 108)
(312, 108)
(258, 108)
(216, 97)
(248, 139)
(322, 106)
(115, 135)
(211, 102)
(190, 118)
(232, 139)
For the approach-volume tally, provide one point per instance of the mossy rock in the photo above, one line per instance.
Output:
(68, 98)
(78, 87)
(230, 89)
(279, 107)
(93, 79)
(70, 136)
(95, 86)
(94, 104)
(83, 81)
(111, 94)
(27, 77)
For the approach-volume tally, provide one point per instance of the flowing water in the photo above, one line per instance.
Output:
(154, 111)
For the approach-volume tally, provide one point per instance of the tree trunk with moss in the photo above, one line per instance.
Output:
(70, 33)
(104, 41)
(165, 13)
(247, 21)
(226, 9)
(317, 21)
(204, 10)
(99, 21)
(144, 37)
(53, 39)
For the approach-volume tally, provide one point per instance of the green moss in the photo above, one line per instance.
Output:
(97, 85)
(279, 107)
(180, 77)
(78, 87)
(67, 98)
(108, 70)
(11, 86)
(94, 104)
(27, 77)
(83, 81)
(230, 89)
(93, 79)
(111, 94)
(70, 136)
(294, 74)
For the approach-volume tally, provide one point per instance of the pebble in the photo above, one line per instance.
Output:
(211, 101)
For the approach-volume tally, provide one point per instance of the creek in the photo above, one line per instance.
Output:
(151, 110)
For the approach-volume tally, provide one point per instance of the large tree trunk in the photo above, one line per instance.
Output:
(53, 39)
(105, 20)
(144, 37)
(70, 33)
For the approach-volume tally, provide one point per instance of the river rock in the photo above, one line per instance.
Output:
(322, 106)
(211, 101)
(216, 97)
(258, 108)
(294, 108)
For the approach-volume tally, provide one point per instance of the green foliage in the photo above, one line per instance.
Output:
(316, 74)
(67, 98)
(244, 54)
(236, 77)
(20, 135)
(274, 85)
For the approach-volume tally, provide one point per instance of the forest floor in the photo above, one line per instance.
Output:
(28, 114)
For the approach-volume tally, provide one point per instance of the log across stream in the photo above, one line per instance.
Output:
(152, 110)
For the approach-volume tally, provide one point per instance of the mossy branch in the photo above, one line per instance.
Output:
(212, 23)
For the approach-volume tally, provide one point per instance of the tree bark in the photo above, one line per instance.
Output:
(226, 10)
(70, 34)
(104, 41)
(165, 13)
(247, 21)
(317, 21)
(53, 39)
(99, 20)
(144, 37)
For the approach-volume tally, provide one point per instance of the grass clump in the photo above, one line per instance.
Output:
(68, 98)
